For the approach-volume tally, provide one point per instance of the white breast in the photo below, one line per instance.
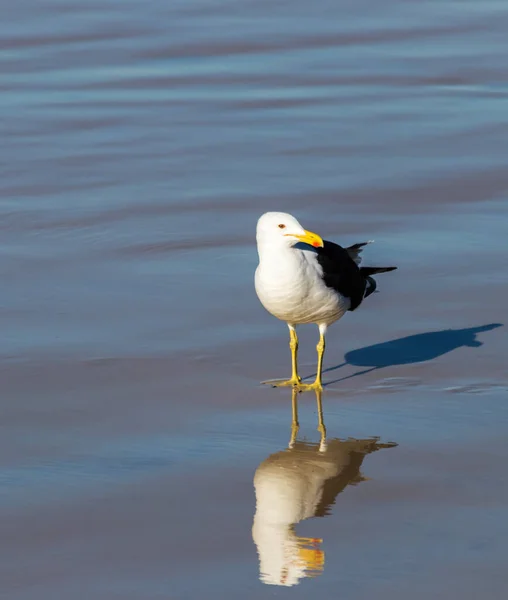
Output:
(291, 288)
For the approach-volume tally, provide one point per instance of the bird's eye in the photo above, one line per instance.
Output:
(282, 226)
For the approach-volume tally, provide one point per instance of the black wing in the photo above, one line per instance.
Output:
(341, 273)
(355, 250)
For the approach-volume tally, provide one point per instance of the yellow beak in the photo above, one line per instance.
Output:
(310, 238)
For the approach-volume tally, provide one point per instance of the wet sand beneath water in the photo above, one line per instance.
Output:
(143, 142)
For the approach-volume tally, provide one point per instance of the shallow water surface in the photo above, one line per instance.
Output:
(141, 141)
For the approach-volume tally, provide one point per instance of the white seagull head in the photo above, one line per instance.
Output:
(283, 230)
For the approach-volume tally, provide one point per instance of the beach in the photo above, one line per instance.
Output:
(141, 144)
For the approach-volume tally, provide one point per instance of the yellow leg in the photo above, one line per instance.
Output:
(295, 380)
(293, 344)
(295, 426)
(321, 352)
(317, 385)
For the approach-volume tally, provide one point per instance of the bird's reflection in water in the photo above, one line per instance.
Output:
(295, 484)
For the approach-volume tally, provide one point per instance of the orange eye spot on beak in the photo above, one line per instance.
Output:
(316, 244)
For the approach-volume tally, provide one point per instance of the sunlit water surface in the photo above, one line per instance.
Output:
(141, 141)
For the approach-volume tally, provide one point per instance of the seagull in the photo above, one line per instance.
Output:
(302, 279)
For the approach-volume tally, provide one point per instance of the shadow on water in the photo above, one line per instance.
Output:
(298, 483)
(412, 349)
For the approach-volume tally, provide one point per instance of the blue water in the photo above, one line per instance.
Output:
(141, 141)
